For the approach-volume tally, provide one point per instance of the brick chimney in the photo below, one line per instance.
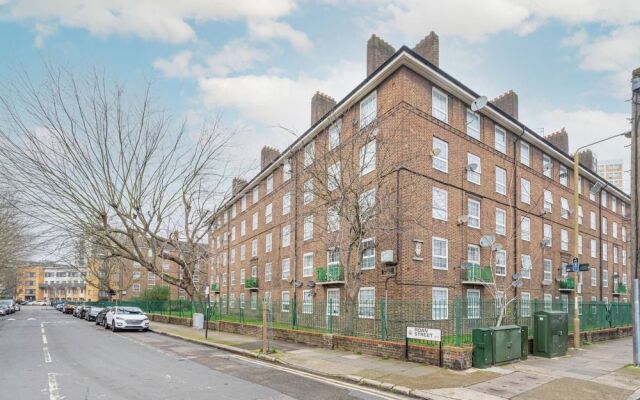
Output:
(378, 51)
(268, 155)
(559, 139)
(588, 159)
(237, 184)
(429, 48)
(320, 105)
(508, 102)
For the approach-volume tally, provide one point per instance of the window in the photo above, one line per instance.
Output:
(286, 170)
(270, 184)
(285, 304)
(233, 277)
(367, 203)
(592, 221)
(286, 268)
(603, 198)
(614, 229)
(233, 259)
(256, 194)
(474, 170)
(605, 224)
(366, 302)
(243, 252)
(548, 298)
(233, 233)
(308, 191)
(564, 240)
(500, 139)
(308, 228)
(501, 221)
(136, 274)
(501, 181)
(473, 303)
(525, 191)
(333, 219)
(624, 278)
(151, 277)
(286, 203)
(286, 235)
(580, 215)
(614, 204)
(254, 300)
(623, 209)
(254, 221)
(564, 300)
(525, 224)
(368, 110)
(368, 260)
(232, 300)
(579, 184)
(334, 134)
(473, 124)
(526, 266)
(525, 156)
(547, 267)
(501, 262)
(234, 212)
(564, 208)
(439, 303)
(439, 105)
(439, 253)
(242, 277)
(473, 212)
(368, 158)
(243, 203)
(605, 252)
(440, 155)
(439, 202)
(594, 252)
(309, 154)
(333, 302)
(268, 242)
(624, 234)
(333, 177)
(268, 213)
(254, 248)
(615, 255)
(333, 257)
(268, 270)
(605, 278)
(307, 264)
(525, 304)
(624, 257)
(473, 254)
(594, 277)
(307, 301)
(243, 228)
(547, 166)
(592, 196)
(547, 233)
(548, 201)
(564, 176)
(580, 245)
(136, 288)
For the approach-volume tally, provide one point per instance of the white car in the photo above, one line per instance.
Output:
(126, 318)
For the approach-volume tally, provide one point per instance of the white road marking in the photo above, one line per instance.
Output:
(11, 319)
(44, 339)
(31, 319)
(47, 356)
(53, 387)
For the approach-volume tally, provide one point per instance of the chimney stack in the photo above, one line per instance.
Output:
(588, 159)
(268, 155)
(378, 51)
(559, 139)
(429, 48)
(237, 184)
(321, 104)
(507, 102)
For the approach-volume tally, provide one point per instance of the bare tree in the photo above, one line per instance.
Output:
(95, 163)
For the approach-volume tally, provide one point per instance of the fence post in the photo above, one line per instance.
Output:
(457, 312)
(383, 319)
(330, 315)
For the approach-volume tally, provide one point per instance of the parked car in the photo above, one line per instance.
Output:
(100, 320)
(92, 312)
(5, 309)
(59, 306)
(128, 318)
(9, 305)
(69, 308)
(78, 312)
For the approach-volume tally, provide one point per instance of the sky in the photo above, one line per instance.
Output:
(256, 64)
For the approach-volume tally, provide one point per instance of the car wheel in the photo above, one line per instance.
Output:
(145, 330)
(104, 323)
(113, 327)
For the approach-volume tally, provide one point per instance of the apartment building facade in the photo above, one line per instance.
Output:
(28, 281)
(442, 177)
(612, 171)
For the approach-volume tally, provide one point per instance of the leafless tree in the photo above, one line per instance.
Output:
(94, 162)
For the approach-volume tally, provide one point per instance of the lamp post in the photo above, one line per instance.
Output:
(576, 227)
(635, 109)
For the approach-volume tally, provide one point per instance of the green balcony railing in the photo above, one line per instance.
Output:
(331, 273)
(620, 289)
(478, 274)
(251, 283)
(215, 288)
(568, 283)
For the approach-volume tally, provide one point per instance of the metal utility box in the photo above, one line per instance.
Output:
(482, 339)
(524, 342)
(507, 344)
(550, 333)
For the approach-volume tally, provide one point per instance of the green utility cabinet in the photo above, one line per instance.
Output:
(482, 339)
(507, 344)
(550, 333)
(524, 342)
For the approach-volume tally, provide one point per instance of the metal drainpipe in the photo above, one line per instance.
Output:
(599, 198)
(514, 207)
(294, 161)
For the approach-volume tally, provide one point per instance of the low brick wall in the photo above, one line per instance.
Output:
(603, 334)
(171, 320)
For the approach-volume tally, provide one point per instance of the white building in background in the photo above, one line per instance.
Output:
(63, 282)
(612, 171)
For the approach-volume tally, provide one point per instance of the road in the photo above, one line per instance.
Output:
(47, 355)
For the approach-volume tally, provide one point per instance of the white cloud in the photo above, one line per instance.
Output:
(178, 66)
(269, 29)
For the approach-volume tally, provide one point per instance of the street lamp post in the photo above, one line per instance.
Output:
(576, 229)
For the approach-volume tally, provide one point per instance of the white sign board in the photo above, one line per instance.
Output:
(434, 335)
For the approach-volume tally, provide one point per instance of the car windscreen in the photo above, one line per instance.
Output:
(129, 310)
(6, 302)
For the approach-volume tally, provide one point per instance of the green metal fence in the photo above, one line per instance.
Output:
(388, 320)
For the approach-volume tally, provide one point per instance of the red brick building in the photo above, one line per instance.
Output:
(442, 176)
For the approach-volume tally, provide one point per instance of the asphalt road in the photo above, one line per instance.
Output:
(47, 355)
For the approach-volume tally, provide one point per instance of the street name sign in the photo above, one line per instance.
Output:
(414, 332)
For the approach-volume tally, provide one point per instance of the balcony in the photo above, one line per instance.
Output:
(215, 288)
(619, 289)
(477, 275)
(330, 275)
(251, 283)
(567, 285)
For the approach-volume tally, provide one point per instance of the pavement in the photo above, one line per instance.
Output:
(597, 371)
(48, 355)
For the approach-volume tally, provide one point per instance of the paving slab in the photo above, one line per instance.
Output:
(569, 388)
(457, 394)
(511, 385)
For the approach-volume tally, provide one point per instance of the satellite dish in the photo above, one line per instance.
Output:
(487, 241)
(479, 103)
(472, 167)
(516, 283)
(298, 284)
(435, 152)
(517, 276)
(311, 284)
